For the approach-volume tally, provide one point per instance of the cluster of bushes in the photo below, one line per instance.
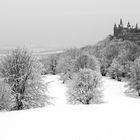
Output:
(21, 85)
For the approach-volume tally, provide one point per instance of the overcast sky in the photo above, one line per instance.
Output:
(59, 23)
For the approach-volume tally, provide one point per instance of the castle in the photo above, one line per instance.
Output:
(127, 33)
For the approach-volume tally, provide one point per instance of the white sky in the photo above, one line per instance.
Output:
(60, 23)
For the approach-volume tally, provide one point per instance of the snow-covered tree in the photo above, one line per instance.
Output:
(65, 66)
(50, 64)
(103, 66)
(85, 88)
(7, 100)
(116, 70)
(86, 61)
(22, 72)
(134, 81)
(73, 53)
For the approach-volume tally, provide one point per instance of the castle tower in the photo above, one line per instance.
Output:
(128, 25)
(136, 26)
(115, 26)
(115, 29)
(121, 23)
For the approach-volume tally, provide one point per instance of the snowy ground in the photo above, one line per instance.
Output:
(116, 119)
(56, 89)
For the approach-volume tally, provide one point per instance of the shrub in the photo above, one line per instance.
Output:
(85, 88)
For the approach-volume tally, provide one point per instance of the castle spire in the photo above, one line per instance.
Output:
(121, 23)
(136, 26)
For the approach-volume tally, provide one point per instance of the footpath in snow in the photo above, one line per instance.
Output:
(56, 89)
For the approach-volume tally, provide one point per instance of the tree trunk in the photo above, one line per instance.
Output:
(19, 104)
(87, 102)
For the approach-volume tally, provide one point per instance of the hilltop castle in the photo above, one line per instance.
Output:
(127, 32)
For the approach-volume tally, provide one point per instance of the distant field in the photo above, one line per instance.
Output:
(47, 52)
(36, 52)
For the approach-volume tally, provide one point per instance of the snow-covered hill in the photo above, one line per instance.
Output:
(116, 119)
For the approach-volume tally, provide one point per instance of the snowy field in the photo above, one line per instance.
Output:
(118, 118)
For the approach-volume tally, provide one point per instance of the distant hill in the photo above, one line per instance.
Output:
(35, 51)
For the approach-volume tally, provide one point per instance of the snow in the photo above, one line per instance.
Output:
(56, 89)
(116, 119)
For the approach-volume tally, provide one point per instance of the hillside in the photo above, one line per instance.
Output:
(116, 119)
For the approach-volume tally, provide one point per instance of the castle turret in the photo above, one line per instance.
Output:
(136, 26)
(115, 26)
(121, 23)
(128, 25)
(115, 30)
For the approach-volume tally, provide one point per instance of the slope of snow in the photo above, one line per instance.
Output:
(114, 94)
(116, 119)
(56, 89)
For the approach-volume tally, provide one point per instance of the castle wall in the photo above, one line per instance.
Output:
(133, 37)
